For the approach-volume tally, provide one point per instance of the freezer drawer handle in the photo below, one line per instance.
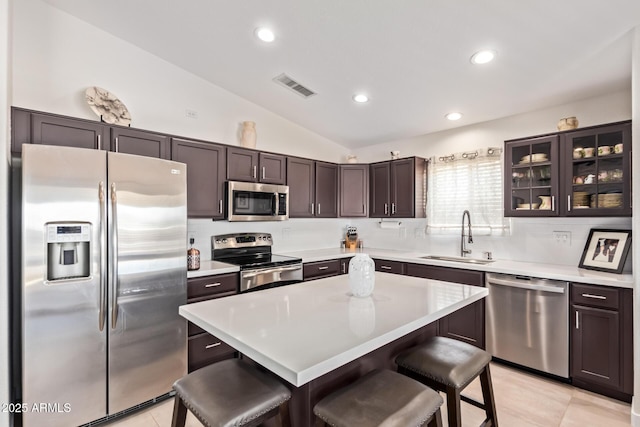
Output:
(554, 289)
(114, 266)
(103, 263)
(594, 296)
(212, 285)
(212, 345)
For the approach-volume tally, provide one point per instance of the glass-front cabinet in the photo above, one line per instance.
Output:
(597, 179)
(531, 177)
(583, 172)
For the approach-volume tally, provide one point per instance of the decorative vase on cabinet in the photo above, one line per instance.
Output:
(248, 137)
(361, 275)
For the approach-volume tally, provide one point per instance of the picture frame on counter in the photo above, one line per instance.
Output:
(606, 250)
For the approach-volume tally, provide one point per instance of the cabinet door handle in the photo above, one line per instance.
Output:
(318, 208)
(117, 144)
(344, 267)
(323, 267)
(215, 344)
(577, 320)
(312, 210)
(264, 173)
(385, 267)
(212, 285)
(569, 202)
(99, 142)
(553, 203)
(220, 205)
(594, 296)
(255, 172)
(386, 209)
(393, 208)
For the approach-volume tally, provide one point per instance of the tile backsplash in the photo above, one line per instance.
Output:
(529, 239)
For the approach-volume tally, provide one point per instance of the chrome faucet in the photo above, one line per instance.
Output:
(463, 250)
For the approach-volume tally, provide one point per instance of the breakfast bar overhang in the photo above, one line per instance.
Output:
(317, 337)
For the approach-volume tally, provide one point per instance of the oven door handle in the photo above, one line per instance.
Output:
(253, 273)
(513, 284)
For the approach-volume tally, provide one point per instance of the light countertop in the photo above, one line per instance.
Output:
(545, 271)
(303, 331)
(209, 268)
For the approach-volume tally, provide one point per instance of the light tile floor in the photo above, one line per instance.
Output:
(522, 400)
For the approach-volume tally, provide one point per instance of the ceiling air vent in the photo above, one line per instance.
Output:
(288, 82)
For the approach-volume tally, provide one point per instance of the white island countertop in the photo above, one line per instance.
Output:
(303, 331)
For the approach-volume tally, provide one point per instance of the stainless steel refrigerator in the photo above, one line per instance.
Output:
(103, 273)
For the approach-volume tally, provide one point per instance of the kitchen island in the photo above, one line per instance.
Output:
(317, 337)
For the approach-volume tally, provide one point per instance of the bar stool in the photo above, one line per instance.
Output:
(448, 365)
(381, 398)
(230, 393)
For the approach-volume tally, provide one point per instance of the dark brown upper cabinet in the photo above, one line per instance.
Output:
(141, 143)
(254, 166)
(531, 177)
(30, 127)
(206, 172)
(597, 171)
(354, 190)
(313, 188)
(398, 188)
(584, 172)
(36, 128)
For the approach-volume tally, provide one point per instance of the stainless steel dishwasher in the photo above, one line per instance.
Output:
(527, 322)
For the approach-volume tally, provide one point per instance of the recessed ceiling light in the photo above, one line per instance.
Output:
(483, 56)
(360, 98)
(454, 116)
(265, 34)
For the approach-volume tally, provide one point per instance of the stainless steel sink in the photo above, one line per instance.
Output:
(458, 259)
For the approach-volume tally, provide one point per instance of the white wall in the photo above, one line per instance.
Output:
(56, 57)
(593, 111)
(635, 409)
(5, 98)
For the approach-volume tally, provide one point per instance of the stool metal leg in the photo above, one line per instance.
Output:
(179, 413)
(487, 395)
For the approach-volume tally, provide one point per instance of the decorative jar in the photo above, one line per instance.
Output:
(361, 275)
(248, 136)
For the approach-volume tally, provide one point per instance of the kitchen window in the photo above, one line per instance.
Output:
(466, 181)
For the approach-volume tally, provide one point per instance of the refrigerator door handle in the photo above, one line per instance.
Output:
(114, 258)
(103, 263)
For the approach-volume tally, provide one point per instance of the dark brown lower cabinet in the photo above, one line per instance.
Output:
(466, 324)
(321, 269)
(395, 267)
(204, 348)
(601, 340)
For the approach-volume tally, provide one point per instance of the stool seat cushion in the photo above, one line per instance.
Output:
(381, 398)
(444, 360)
(230, 393)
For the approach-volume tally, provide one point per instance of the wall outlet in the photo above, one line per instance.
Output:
(192, 114)
(562, 238)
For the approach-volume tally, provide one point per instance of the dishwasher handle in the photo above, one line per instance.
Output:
(518, 284)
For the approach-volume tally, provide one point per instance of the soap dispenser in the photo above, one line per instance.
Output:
(193, 257)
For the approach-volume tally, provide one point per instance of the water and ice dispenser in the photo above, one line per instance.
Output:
(68, 247)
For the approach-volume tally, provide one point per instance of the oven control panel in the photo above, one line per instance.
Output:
(243, 240)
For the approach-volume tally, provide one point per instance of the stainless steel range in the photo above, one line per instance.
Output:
(259, 268)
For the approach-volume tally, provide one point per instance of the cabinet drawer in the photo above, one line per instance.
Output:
(446, 274)
(205, 349)
(212, 285)
(595, 296)
(394, 267)
(316, 270)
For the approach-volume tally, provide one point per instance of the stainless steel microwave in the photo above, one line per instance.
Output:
(250, 201)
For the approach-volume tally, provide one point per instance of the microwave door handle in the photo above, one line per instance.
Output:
(276, 202)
